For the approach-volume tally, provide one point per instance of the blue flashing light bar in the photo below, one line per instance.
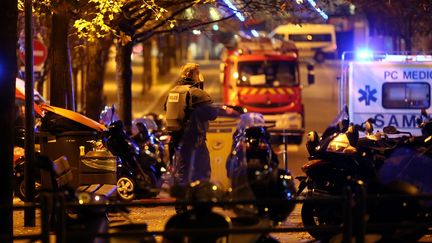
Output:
(255, 33)
(234, 9)
(322, 13)
(364, 54)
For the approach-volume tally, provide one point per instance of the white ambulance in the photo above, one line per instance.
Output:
(312, 40)
(392, 89)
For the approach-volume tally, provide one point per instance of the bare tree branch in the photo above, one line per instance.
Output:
(147, 35)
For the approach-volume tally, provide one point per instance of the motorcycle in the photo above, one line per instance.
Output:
(19, 160)
(341, 157)
(253, 170)
(138, 170)
(143, 134)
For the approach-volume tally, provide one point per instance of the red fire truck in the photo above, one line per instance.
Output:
(265, 79)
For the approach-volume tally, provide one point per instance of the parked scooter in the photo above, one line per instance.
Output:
(340, 158)
(253, 170)
(143, 134)
(19, 160)
(137, 170)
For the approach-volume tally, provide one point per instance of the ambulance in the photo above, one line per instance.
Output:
(392, 89)
(313, 40)
(264, 78)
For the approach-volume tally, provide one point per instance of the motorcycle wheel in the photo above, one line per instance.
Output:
(126, 188)
(315, 215)
(19, 189)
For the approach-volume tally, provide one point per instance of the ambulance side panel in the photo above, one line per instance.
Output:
(391, 92)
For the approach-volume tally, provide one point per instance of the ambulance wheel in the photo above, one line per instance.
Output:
(319, 57)
(126, 188)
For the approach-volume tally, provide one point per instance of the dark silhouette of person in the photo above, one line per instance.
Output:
(192, 160)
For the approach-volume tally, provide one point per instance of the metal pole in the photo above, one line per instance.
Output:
(29, 213)
(285, 157)
(348, 221)
(341, 82)
(361, 201)
(45, 217)
(60, 212)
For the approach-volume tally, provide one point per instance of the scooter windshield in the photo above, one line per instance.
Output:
(108, 116)
(339, 124)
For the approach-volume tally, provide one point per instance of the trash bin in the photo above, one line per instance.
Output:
(68, 144)
(219, 143)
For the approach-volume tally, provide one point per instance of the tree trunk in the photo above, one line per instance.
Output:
(8, 64)
(98, 55)
(163, 58)
(172, 42)
(167, 53)
(124, 83)
(62, 93)
(409, 35)
(147, 73)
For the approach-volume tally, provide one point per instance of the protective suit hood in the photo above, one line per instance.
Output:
(187, 81)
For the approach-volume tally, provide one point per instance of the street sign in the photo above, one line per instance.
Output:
(39, 53)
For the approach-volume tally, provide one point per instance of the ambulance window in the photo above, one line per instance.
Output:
(279, 36)
(406, 95)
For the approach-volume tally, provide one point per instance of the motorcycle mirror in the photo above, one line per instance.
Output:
(343, 125)
(312, 142)
(424, 113)
(390, 130)
(419, 121)
(371, 120)
(352, 135)
(112, 112)
(369, 125)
